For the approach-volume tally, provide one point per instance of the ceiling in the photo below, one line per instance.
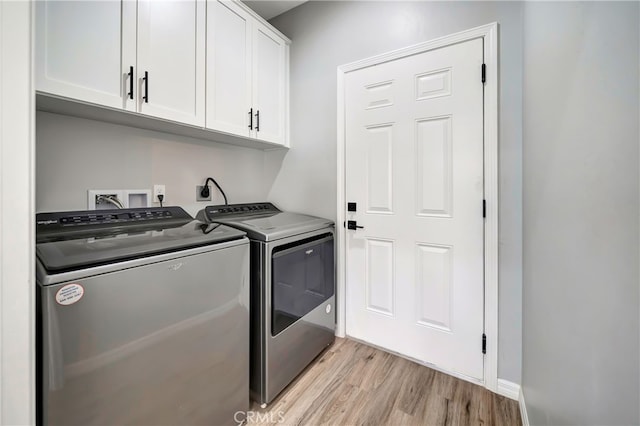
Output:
(270, 9)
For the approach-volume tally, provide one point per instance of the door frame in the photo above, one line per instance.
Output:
(17, 212)
(489, 33)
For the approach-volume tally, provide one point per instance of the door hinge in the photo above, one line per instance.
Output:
(484, 343)
(484, 208)
(484, 73)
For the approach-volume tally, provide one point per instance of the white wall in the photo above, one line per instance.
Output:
(75, 154)
(327, 34)
(581, 212)
(17, 284)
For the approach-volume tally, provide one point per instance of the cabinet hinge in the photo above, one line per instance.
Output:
(484, 208)
(484, 73)
(484, 343)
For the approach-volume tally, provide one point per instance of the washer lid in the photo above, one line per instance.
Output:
(263, 221)
(78, 252)
(278, 225)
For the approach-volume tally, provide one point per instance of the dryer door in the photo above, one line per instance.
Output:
(302, 277)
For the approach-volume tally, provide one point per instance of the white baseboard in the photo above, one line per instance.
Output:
(509, 389)
(523, 409)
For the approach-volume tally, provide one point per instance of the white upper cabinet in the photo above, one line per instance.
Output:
(211, 64)
(171, 60)
(228, 68)
(144, 56)
(79, 53)
(247, 74)
(269, 85)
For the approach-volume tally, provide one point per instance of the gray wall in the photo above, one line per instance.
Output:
(580, 336)
(328, 34)
(75, 154)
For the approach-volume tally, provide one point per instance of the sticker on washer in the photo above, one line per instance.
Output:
(69, 294)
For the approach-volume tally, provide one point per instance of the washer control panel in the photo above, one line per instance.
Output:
(48, 224)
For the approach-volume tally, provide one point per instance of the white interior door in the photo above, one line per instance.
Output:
(269, 84)
(171, 37)
(84, 50)
(414, 166)
(228, 68)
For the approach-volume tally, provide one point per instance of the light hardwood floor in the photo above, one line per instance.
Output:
(355, 384)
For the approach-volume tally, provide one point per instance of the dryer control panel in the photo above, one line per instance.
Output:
(224, 210)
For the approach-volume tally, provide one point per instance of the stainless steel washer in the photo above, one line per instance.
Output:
(143, 318)
(292, 290)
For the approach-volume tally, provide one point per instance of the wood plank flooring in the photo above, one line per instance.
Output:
(355, 384)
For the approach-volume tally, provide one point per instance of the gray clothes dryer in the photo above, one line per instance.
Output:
(292, 290)
(143, 318)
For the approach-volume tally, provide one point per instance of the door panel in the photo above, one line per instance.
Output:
(171, 37)
(78, 49)
(433, 285)
(228, 68)
(433, 84)
(379, 280)
(269, 84)
(380, 169)
(414, 158)
(434, 168)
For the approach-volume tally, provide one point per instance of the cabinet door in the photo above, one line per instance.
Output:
(228, 68)
(171, 37)
(270, 63)
(80, 49)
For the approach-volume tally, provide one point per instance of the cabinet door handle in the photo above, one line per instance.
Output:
(257, 120)
(146, 87)
(130, 94)
(251, 119)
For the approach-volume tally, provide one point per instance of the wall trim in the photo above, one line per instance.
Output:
(509, 389)
(489, 34)
(17, 224)
(523, 409)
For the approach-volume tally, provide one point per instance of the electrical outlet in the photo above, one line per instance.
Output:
(159, 190)
(200, 197)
